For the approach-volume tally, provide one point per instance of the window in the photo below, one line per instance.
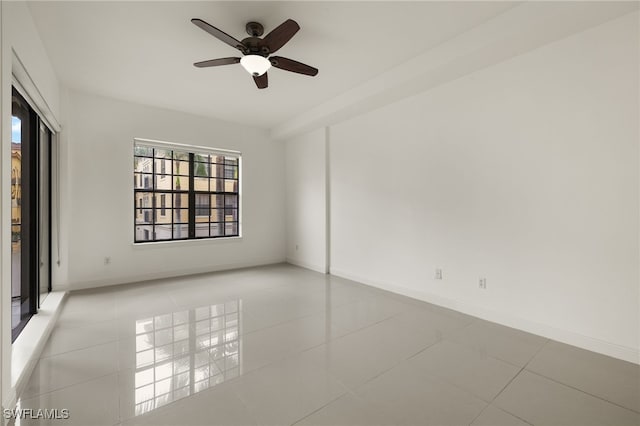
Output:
(185, 192)
(202, 204)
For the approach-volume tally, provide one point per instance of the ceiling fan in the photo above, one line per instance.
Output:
(257, 51)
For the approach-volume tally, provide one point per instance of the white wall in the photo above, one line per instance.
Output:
(525, 173)
(99, 139)
(19, 37)
(306, 208)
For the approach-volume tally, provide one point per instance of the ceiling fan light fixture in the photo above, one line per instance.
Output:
(255, 65)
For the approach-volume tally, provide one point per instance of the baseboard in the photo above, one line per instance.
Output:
(569, 337)
(307, 265)
(88, 284)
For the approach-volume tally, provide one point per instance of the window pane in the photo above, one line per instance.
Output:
(217, 201)
(201, 184)
(217, 215)
(163, 182)
(217, 170)
(231, 228)
(201, 169)
(144, 233)
(142, 150)
(216, 230)
(230, 185)
(217, 185)
(181, 215)
(162, 153)
(230, 215)
(202, 205)
(180, 200)
(163, 165)
(144, 216)
(143, 199)
(163, 200)
(231, 201)
(230, 172)
(180, 231)
(163, 216)
(147, 182)
(219, 159)
(142, 164)
(181, 163)
(142, 181)
(201, 158)
(163, 232)
(202, 229)
(231, 160)
(181, 183)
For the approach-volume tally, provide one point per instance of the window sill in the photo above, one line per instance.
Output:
(28, 346)
(178, 243)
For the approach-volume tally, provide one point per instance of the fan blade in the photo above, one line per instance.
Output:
(217, 62)
(280, 35)
(219, 34)
(293, 66)
(261, 81)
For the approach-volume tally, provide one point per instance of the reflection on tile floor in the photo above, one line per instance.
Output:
(184, 352)
(282, 345)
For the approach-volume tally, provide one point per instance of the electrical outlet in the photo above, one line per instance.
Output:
(438, 274)
(296, 247)
(482, 283)
(107, 260)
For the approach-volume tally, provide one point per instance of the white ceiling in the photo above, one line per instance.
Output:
(143, 51)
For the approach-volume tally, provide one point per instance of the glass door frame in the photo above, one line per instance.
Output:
(31, 183)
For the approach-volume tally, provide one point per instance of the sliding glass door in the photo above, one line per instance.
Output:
(30, 211)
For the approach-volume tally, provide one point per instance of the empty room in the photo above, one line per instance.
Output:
(320, 213)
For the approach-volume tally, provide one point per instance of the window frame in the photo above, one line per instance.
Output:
(194, 159)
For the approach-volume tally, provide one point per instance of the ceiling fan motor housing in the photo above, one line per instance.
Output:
(255, 46)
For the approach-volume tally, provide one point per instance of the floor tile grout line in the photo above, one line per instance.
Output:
(514, 377)
(319, 311)
(439, 379)
(501, 409)
(397, 314)
(45, 357)
(582, 391)
(480, 413)
(354, 390)
(244, 405)
(437, 342)
(473, 349)
(549, 341)
(347, 392)
(292, 320)
(102, 376)
(521, 369)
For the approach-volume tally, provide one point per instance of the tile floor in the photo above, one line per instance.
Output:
(280, 345)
